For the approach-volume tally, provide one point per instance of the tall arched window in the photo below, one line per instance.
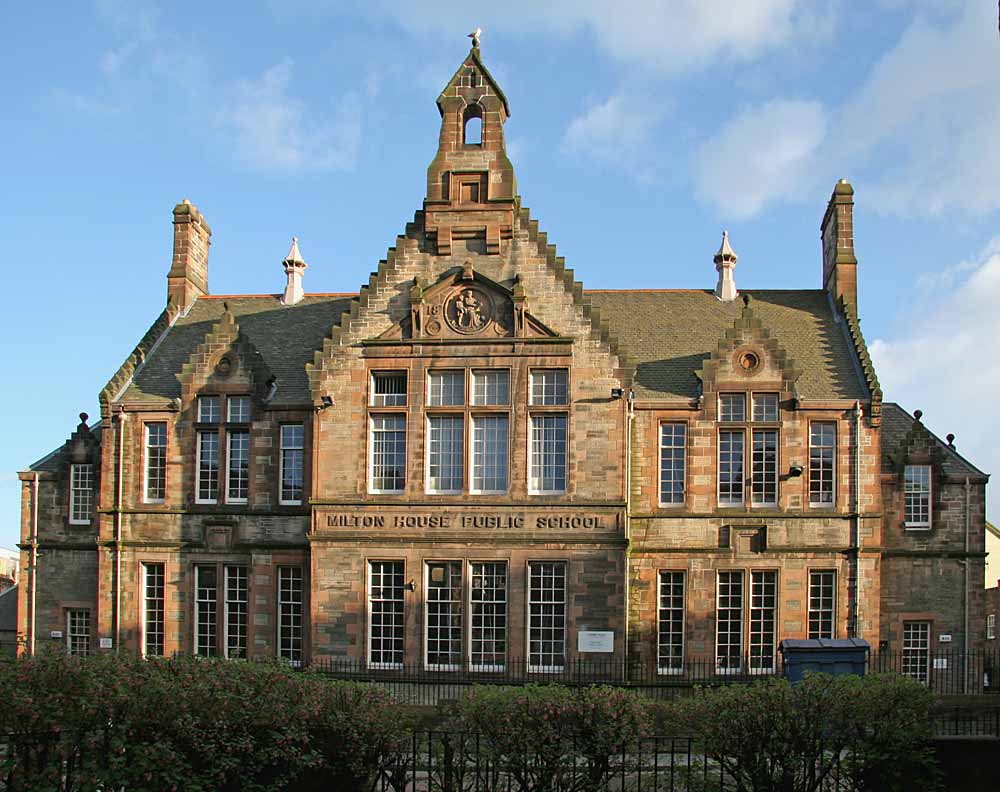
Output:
(472, 126)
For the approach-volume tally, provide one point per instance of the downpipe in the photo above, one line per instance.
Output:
(118, 530)
(965, 593)
(629, 418)
(856, 532)
(33, 579)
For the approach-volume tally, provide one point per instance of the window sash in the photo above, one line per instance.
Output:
(206, 611)
(548, 453)
(764, 476)
(822, 463)
(208, 467)
(152, 610)
(386, 629)
(388, 389)
(670, 622)
(237, 605)
(292, 459)
(731, 481)
(549, 387)
(763, 619)
(78, 631)
(238, 466)
(443, 616)
(489, 452)
(917, 496)
(729, 622)
(446, 388)
(445, 453)
(290, 613)
(488, 615)
(155, 473)
(388, 453)
(917, 650)
(490, 388)
(673, 449)
(765, 407)
(81, 493)
(732, 407)
(822, 603)
(208, 409)
(546, 616)
(991, 626)
(238, 409)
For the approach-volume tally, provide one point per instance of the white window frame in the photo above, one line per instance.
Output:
(820, 609)
(730, 420)
(761, 395)
(211, 646)
(162, 600)
(474, 419)
(506, 615)
(541, 668)
(243, 401)
(730, 503)
(774, 608)
(428, 481)
(199, 458)
(991, 626)
(738, 668)
(381, 665)
(229, 465)
(293, 657)
(928, 473)
(683, 465)
(486, 375)
(438, 401)
(76, 492)
(545, 400)
(916, 654)
(670, 669)
(147, 458)
(832, 503)
(228, 600)
(540, 478)
(73, 633)
(282, 448)
(456, 604)
(774, 477)
(372, 489)
(381, 400)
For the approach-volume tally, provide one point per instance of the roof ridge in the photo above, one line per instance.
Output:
(276, 296)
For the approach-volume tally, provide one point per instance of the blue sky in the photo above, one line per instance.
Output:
(637, 136)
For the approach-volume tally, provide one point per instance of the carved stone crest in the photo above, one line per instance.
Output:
(469, 310)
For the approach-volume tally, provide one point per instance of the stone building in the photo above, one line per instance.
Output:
(474, 462)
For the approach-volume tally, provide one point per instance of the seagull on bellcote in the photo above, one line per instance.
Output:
(474, 35)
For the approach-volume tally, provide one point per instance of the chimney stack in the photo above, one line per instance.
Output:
(725, 265)
(188, 276)
(840, 267)
(294, 267)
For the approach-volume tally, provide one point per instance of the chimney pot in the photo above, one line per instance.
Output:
(187, 279)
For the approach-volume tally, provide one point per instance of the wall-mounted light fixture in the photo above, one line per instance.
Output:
(617, 393)
(325, 401)
(411, 586)
(795, 471)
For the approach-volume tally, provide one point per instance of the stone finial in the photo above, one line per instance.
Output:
(725, 264)
(474, 35)
(918, 414)
(951, 440)
(294, 267)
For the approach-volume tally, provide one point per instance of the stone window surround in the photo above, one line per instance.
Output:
(74, 490)
(222, 602)
(222, 428)
(912, 525)
(746, 621)
(659, 463)
(747, 426)
(541, 409)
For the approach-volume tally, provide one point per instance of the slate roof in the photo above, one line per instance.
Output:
(672, 332)
(52, 462)
(897, 424)
(8, 610)
(286, 337)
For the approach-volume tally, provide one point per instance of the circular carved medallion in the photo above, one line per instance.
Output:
(468, 310)
(749, 361)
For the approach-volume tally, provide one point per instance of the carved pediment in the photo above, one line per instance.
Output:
(465, 304)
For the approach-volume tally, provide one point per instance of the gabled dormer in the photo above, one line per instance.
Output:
(471, 190)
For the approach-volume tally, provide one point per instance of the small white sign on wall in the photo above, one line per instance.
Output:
(944, 638)
(941, 663)
(106, 643)
(56, 634)
(591, 641)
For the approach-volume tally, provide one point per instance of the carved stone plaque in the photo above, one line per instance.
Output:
(468, 310)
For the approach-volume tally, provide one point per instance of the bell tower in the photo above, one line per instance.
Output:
(471, 191)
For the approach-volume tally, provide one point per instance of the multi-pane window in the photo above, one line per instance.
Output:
(388, 453)
(152, 610)
(549, 387)
(673, 442)
(491, 387)
(208, 466)
(916, 649)
(445, 453)
(729, 621)
(206, 600)
(156, 462)
(822, 603)
(236, 612)
(488, 614)
(385, 614)
(822, 448)
(443, 612)
(991, 626)
(239, 409)
(917, 496)
(670, 643)
(78, 631)
(763, 619)
(388, 389)
(764, 476)
(445, 388)
(81, 493)
(765, 407)
(548, 453)
(292, 445)
(290, 614)
(489, 453)
(208, 409)
(546, 615)
(238, 466)
(731, 467)
(732, 407)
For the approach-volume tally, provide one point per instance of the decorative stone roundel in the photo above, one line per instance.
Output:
(468, 310)
(224, 367)
(749, 361)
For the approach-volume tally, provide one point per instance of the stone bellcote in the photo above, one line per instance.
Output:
(471, 190)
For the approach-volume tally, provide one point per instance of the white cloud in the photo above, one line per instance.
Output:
(270, 128)
(615, 132)
(763, 154)
(943, 355)
(135, 22)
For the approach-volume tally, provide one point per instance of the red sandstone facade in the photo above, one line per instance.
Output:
(565, 478)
